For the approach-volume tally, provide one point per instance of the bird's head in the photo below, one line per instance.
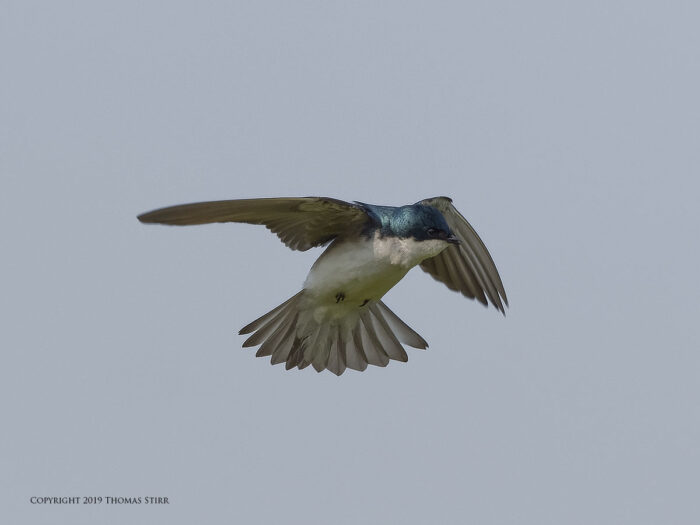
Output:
(423, 223)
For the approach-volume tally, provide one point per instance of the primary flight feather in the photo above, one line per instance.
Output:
(338, 319)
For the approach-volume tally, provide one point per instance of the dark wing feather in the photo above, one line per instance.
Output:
(468, 267)
(300, 222)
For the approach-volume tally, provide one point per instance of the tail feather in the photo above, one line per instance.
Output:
(373, 347)
(269, 326)
(293, 334)
(336, 358)
(354, 356)
(263, 319)
(278, 341)
(272, 341)
(405, 333)
(296, 354)
(389, 342)
(303, 364)
(354, 353)
(321, 350)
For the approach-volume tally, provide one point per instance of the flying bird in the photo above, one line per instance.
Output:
(338, 319)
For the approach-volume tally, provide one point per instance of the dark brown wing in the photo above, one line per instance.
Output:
(300, 222)
(467, 267)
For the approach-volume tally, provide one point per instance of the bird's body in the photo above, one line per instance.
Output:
(366, 268)
(338, 319)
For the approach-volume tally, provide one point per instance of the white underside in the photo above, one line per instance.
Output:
(362, 271)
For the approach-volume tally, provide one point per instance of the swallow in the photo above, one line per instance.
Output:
(338, 320)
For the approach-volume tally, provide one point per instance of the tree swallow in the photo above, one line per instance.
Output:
(338, 319)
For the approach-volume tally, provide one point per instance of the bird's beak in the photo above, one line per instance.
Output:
(453, 240)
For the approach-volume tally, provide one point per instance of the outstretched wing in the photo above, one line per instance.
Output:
(467, 267)
(300, 222)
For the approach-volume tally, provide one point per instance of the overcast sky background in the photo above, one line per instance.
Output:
(568, 133)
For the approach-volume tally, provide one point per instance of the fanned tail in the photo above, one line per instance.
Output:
(370, 335)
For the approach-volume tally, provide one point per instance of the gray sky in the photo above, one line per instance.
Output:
(568, 133)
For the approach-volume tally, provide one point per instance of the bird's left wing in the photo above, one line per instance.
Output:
(468, 267)
(300, 222)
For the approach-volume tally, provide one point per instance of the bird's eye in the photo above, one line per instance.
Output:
(433, 232)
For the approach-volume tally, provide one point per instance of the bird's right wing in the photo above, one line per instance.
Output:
(468, 267)
(300, 222)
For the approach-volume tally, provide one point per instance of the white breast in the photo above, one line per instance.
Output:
(366, 268)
